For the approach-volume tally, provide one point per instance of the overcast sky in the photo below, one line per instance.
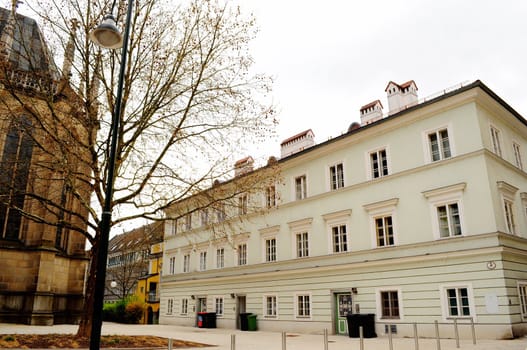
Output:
(331, 57)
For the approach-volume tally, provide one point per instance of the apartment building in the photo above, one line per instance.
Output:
(415, 215)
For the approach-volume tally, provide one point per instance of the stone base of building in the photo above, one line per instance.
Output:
(40, 309)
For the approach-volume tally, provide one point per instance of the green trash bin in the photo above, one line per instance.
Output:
(252, 322)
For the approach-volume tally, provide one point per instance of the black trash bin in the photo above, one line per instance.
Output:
(366, 321)
(244, 321)
(209, 320)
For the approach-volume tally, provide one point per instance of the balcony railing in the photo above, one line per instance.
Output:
(152, 297)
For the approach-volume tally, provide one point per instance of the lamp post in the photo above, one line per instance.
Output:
(107, 35)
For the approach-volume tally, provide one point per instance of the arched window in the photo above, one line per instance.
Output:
(14, 173)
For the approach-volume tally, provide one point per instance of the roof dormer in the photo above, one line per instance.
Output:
(401, 96)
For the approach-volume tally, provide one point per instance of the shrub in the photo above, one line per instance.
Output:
(134, 311)
(128, 310)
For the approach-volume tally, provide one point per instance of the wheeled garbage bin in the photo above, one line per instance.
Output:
(252, 326)
(209, 320)
(366, 321)
(200, 319)
(244, 321)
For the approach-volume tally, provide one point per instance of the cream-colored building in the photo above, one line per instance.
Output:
(418, 215)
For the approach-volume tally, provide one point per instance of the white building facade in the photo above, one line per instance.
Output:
(417, 217)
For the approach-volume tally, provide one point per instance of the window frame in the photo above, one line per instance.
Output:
(241, 248)
(300, 187)
(522, 297)
(183, 307)
(170, 306)
(300, 306)
(219, 303)
(508, 205)
(270, 197)
(336, 176)
(447, 307)
(516, 150)
(243, 204)
(338, 219)
(220, 257)
(388, 238)
(495, 140)
(274, 306)
(186, 262)
(450, 219)
(381, 210)
(428, 146)
(270, 249)
(302, 244)
(445, 196)
(203, 260)
(371, 169)
(380, 306)
(172, 265)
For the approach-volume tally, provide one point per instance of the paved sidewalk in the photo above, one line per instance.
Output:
(259, 340)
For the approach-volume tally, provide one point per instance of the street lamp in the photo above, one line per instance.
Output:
(107, 36)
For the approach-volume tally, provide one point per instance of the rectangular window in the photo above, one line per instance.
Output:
(496, 142)
(458, 302)
(379, 164)
(336, 173)
(270, 197)
(220, 258)
(188, 221)
(220, 212)
(186, 263)
(449, 220)
(439, 145)
(204, 217)
(302, 245)
(270, 306)
(170, 306)
(522, 293)
(243, 202)
(300, 187)
(202, 261)
(517, 155)
(303, 306)
(390, 304)
(184, 306)
(174, 226)
(384, 230)
(242, 254)
(270, 249)
(340, 239)
(172, 265)
(219, 306)
(508, 207)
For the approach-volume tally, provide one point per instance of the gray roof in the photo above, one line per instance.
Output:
(29, 51)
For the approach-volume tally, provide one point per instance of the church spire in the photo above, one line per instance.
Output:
(69, 52)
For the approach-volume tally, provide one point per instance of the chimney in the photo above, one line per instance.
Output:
(401, 96)
(69, 52)
(297, 143)
(371, 112)
(243, 166)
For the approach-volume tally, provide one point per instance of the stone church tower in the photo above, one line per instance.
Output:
(44, 179)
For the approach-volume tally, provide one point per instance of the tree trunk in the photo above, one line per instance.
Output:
(85, 324)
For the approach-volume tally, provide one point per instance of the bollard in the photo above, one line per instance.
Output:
(169, 343)
(233, 341)
(325, 339)
(361, 335)
(284, 340)
(416, 337)
(437, 336)
(473, 330)
(390, 341)
(456, 332)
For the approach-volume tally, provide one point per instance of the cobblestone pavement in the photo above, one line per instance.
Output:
(221, 338)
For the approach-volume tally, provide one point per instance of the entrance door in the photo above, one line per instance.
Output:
(201, 306)
(344, 305)
(240, 309)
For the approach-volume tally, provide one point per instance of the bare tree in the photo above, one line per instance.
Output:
(191, 105)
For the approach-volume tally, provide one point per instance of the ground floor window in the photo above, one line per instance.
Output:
(303, 306)
(219, 306)
(390, 304)
(522, 292)
(184, 306)
(458, 302)
(170, 306)
(270, 306)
